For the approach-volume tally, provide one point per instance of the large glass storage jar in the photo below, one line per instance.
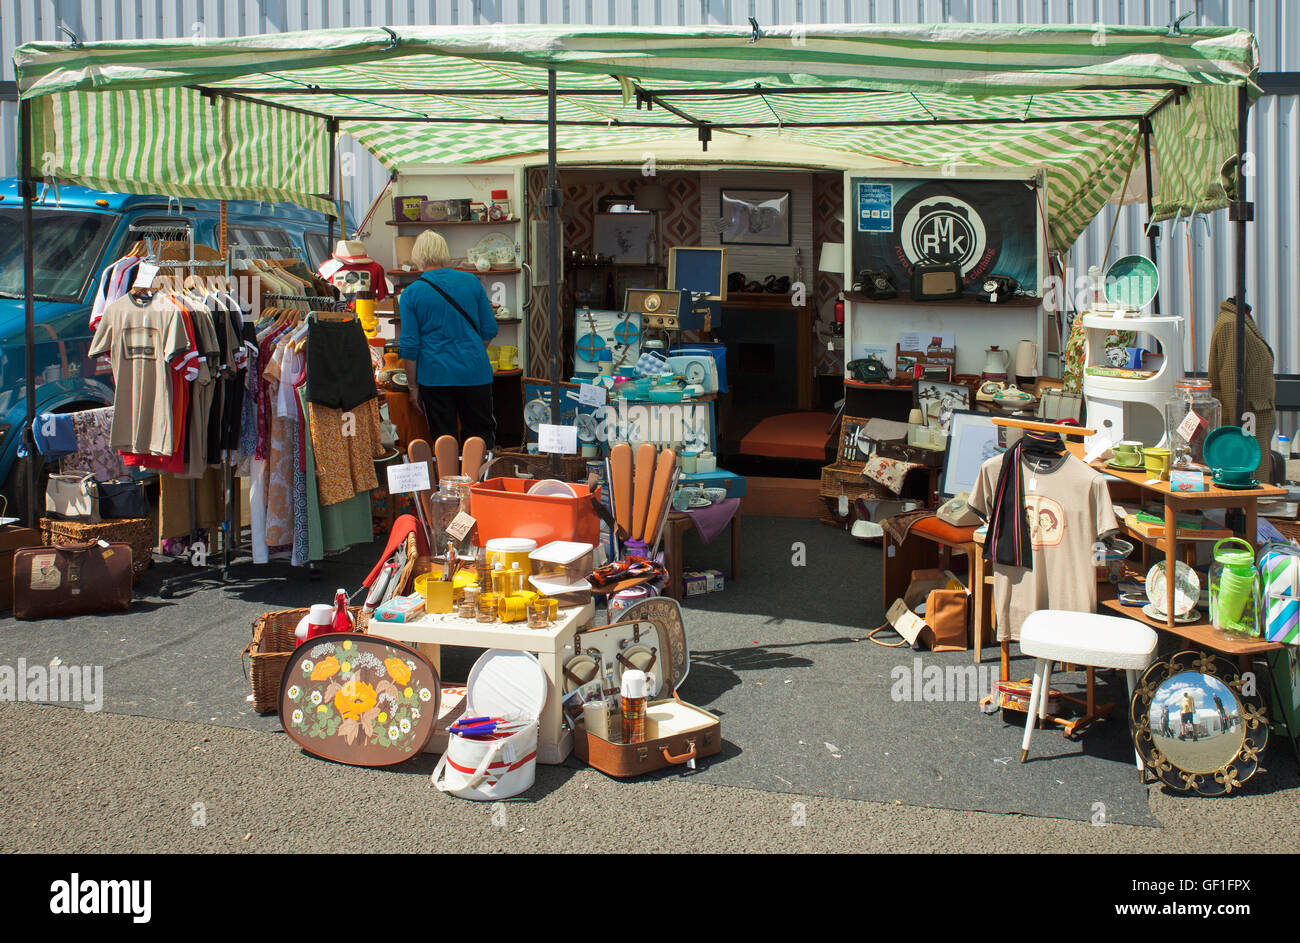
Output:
(1190, 415)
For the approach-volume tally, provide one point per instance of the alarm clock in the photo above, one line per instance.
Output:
(659, 307)
(936, 281)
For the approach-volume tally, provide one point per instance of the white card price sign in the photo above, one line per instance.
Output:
(408, 477)
(560, 439)
(145, 275)
(591, 395)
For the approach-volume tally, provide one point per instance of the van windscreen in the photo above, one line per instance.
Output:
(68, 244)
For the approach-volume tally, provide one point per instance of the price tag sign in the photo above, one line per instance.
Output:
(1191, 422)
(561, 439)
(329, 268)
(591, 395)
(408, 477)
(145, 275)
(460, 526)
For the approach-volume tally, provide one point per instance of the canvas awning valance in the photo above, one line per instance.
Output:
(253, 117)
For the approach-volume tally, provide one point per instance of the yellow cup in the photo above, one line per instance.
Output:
(438, 596)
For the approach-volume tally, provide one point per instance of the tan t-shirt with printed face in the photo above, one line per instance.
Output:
(1068, 509)
(142, 340)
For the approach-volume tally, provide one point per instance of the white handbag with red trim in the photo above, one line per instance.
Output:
(488, 770)
(502, 685)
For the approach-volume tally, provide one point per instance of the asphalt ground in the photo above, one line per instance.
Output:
(811, 716)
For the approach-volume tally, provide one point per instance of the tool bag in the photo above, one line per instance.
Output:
(72, 580)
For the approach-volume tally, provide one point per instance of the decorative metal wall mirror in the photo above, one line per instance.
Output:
(1194, 728)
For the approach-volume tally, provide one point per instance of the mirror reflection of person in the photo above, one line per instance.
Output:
(1188, 716)
(1223, 715)
(1165, 729)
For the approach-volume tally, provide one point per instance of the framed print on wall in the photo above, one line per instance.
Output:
(624, 237)
(755, 217)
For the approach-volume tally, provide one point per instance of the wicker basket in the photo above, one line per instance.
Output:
(141, 533)
(510, 464)
(272, 646)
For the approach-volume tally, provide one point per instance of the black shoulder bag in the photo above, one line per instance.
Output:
(452, 301)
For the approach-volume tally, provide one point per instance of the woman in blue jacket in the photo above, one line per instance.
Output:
(447, 324)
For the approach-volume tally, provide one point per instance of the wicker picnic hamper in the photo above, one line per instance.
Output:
(141, 533)
(270, 650)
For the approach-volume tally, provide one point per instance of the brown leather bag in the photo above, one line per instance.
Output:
(72, 580)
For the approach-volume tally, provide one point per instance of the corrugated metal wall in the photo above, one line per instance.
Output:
(1274, 285)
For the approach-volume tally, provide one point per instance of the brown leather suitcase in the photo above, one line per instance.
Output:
(72, 580)
(636, 759)
(686, 732)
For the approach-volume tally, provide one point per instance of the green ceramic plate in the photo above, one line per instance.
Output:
(1132, 282)
(1227, 448)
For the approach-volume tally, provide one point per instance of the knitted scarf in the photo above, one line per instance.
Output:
(1008, 534)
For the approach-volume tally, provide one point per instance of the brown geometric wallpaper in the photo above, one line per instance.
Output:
(678, 226)
(828, 202)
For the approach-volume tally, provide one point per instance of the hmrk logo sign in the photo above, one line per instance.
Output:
(79, 896)
(943, 229)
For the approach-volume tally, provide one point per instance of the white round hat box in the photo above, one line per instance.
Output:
(502, 684)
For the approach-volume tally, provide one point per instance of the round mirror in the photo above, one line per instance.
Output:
(1196, 722)
(1194, 728)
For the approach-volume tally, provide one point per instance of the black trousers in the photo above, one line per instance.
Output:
(469, 406)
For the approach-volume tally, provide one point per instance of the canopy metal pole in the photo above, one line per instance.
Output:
(29, 298)
(1241, 214)
(332, 126)
(552, 202)
(1152, 231)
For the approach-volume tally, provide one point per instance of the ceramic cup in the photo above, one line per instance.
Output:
(1126, 453)
(681, 499)
(1157, 462)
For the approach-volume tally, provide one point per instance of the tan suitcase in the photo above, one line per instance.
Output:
(677, 733)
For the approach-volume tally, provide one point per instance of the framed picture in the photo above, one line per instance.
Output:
(539, 238)
(755, 217)
(855, 445)
(698, 269)
(972, 441)
(939, 399)
(624, 237)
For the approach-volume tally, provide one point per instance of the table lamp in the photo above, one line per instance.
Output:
(832, 261)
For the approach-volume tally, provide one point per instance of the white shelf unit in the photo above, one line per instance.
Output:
(1131, 408)
(508, 288)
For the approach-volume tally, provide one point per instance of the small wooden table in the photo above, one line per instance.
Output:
(679, 522)
(553, 647)
(1216, 498)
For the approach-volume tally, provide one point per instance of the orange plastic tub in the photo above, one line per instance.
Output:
(503, 508)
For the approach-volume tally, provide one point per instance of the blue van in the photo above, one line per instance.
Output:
(79, 232)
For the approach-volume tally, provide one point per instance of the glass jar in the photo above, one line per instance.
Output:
(1234, 599)
(1190, 415)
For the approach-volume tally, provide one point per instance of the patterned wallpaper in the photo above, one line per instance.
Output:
(828, 202)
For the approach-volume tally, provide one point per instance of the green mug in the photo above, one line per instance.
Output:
(1126, 455)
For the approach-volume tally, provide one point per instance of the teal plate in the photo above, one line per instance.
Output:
(1228, 448)
(1235, 486)
(1132, 282)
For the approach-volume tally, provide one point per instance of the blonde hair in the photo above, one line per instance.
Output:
(430, 249)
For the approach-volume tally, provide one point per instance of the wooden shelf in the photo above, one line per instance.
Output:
(903, 298)
(760, 299)
(457, 222)
(1212, 496)
(1202, 633)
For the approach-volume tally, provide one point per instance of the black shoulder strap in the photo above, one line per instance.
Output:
(452, 301)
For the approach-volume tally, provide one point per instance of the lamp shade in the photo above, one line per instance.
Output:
(651, 196)
(832, 259)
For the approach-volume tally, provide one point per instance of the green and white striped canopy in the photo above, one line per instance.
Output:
(248, 117)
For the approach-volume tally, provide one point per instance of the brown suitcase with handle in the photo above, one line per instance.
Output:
(72, 580)
(685, 732)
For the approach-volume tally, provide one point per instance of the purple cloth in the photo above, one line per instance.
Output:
(713, 520)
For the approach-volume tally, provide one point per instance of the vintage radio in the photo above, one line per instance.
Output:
(659, 307)
(936, 281)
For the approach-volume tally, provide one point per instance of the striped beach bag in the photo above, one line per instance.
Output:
(1279, 589)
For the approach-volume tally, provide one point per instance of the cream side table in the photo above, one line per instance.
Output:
(552, 646)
